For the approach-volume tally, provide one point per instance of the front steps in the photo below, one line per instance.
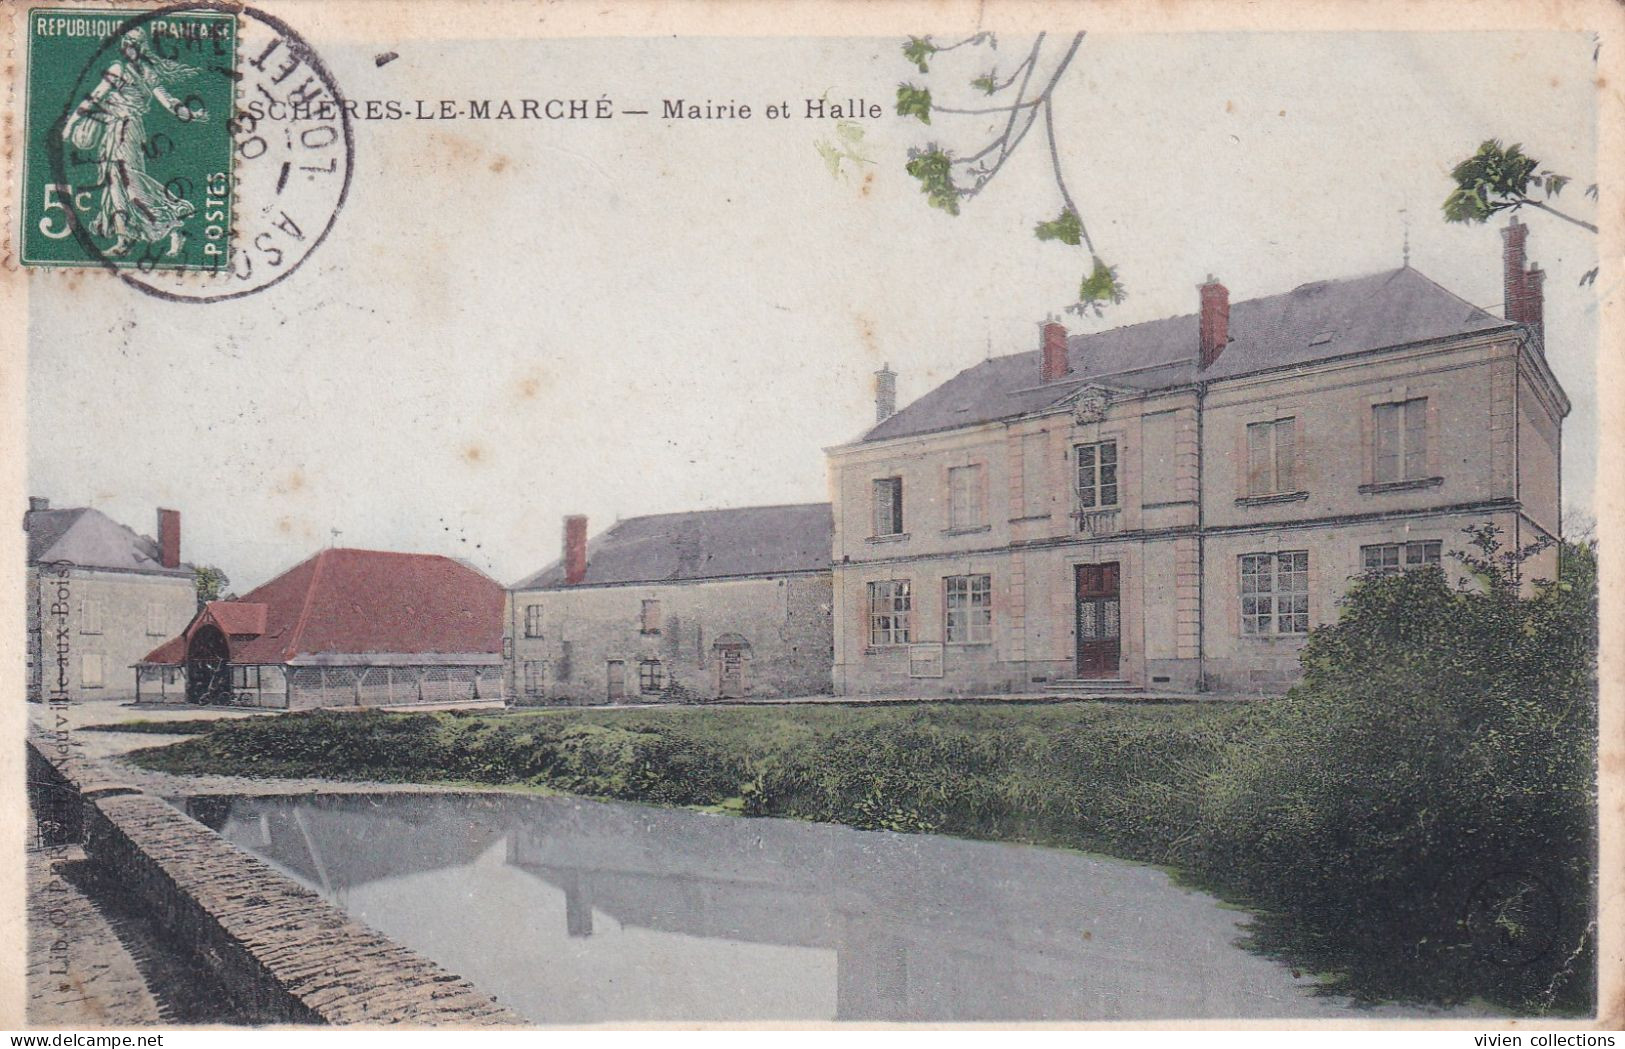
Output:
(1094, 687)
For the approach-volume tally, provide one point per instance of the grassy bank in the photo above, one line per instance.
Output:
(1100, 777)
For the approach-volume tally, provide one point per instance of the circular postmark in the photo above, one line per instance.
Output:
(1512, 918)
(204, 152)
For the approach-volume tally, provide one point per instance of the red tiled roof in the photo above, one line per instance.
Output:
(237, 618)
(355, 602)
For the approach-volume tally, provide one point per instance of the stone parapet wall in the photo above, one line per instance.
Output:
(285, 954)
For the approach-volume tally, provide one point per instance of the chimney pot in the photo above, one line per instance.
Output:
(169, 538)
(1213, 325)
(38, 502)
(1524, 298)
(1053, 364)
(885, 393)
(575, 549)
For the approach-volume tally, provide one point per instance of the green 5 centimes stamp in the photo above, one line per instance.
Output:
(129, 152)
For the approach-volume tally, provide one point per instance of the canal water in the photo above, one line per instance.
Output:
(575, 911)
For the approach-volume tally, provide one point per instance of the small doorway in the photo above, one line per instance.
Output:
(1100, 621)
(617, 680)
(733, 655)
(208, 673)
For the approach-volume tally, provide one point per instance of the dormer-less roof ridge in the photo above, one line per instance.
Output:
(1315, 321)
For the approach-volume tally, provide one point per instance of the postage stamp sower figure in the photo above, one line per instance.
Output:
(129, 150)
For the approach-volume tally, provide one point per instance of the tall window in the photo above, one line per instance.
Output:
(650, 618)
(92, 670)
(1271, 451)
(533, 620)
(1400, 440)
(968, 609)
(966, 508)
(889, 506)
(1035, 474)
(1391, 558)
(889, 612)
(90, 616)
(651, 676)
(1275, 593)
(1097, 474)
(564, 667)
(535, 676)
(155, 618)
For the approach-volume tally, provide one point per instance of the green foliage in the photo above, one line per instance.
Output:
(919, 50)
(1065, 228)
(914, 102)
(985, 84)
(210, 581)
(846, 146)
(934, 169)
(1418, 815)
(1101, 285)
(1494, 179)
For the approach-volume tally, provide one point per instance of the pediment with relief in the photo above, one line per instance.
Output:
(1089, 404)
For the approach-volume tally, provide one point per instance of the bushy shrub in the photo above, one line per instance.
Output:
(1418, 814)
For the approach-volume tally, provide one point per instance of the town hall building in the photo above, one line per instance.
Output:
(1170, 506)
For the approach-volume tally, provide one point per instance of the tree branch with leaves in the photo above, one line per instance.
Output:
(1503, 178)
(1020, 100)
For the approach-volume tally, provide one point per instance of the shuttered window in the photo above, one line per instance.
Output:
(965, 504)
(1400, 440)
(1271, 457)
(888, 506)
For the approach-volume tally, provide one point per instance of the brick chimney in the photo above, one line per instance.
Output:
(885, 393)
(1213, 327)
(1524, 299)
(169, 538)
(1054, 364)
(575, 549)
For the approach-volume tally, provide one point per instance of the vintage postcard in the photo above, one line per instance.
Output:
(546, 514)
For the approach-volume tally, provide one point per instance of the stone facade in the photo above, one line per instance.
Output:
(1194, 515)
(93, 625)
(698, 640)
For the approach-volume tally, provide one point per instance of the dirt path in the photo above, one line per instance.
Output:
(79, 973)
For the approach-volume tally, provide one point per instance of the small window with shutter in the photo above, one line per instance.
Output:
(90, 616)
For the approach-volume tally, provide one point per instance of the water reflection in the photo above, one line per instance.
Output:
(574, 911)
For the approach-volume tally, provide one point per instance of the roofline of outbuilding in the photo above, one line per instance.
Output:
(184, 571)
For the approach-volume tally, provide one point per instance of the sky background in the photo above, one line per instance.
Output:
(511, 322)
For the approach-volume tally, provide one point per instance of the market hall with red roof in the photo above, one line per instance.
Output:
(358, 628)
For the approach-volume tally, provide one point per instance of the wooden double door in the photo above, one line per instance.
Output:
(1099, 620)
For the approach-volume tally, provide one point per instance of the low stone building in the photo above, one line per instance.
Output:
(99, 596)
(688, 607)
(345, 628)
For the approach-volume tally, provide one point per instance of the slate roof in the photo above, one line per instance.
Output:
(703, 544)
(1312, 322)
(358, 602)
(89, 538)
